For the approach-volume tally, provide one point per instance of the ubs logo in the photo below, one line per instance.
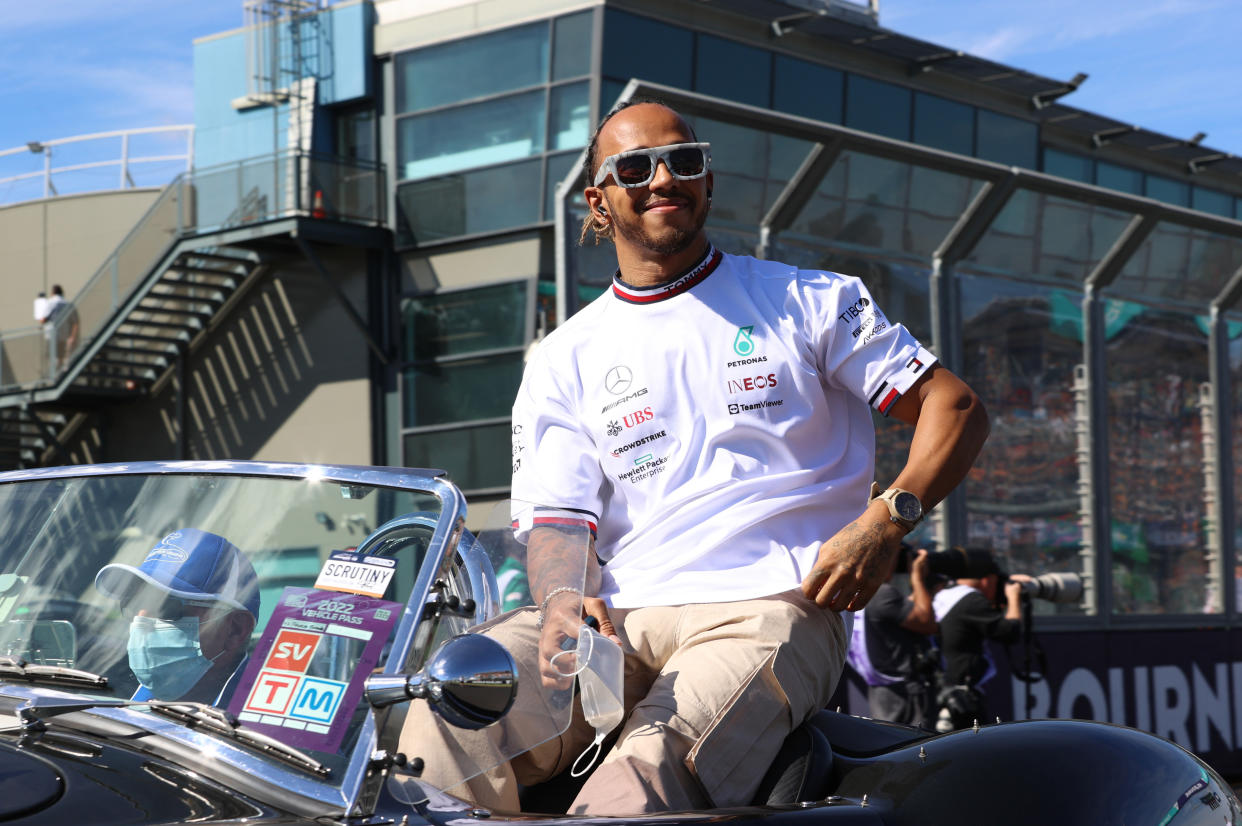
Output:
(618, 380)
(638, 417)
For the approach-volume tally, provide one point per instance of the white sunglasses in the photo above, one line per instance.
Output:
(637, 167)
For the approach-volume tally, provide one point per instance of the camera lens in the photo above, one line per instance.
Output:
(1061, 587)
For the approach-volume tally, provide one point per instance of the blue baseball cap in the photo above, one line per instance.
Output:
(193, 565)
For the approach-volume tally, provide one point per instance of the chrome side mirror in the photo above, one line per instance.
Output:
(471, 681)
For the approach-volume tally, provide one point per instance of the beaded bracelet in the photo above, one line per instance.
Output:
(543, 606)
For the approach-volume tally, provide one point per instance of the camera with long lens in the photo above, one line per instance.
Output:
(1059, 587)
(975, 563)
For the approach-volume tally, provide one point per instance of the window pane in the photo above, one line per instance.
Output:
(1120, 178)
(1171, 192)
(467, 203)
(476, 457)
(1156, 361)
(573, 46)
(808, 89)
(1180, 264)
(475, 135)
(643, 48)
(1006, 140)
(944, 124)
(463, 321)
(1020, 345)
(570, 116)
(558, 168)
(1209, 200)
(1065, 165)
(879, 204)
(877, 107)
(355, 134)
(732, 70)
(1056, 238)
(609, 91)
(465, 69)
(461, 391)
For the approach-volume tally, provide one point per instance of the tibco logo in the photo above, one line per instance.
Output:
(752, 383)
(854, 310)
(638, 417)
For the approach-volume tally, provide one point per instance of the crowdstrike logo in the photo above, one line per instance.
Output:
(639, 443)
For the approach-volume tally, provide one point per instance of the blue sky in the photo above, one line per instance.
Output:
(72, 67)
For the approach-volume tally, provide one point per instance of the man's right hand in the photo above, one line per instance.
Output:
(562, 617)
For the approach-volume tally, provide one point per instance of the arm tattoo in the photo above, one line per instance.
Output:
(855, 544)
(554, 560)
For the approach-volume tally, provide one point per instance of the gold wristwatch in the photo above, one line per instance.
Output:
(904, 508)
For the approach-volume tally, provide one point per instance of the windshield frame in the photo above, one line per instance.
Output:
(268, 778)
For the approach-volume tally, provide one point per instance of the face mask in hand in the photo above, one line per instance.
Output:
(601, 681)
(165, 655)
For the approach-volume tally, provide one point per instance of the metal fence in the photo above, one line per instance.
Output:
(284, 185)
(83, 163)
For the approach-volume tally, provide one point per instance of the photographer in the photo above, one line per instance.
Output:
(891, 647)
(969, 616)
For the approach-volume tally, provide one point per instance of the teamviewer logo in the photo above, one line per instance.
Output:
(733, 409)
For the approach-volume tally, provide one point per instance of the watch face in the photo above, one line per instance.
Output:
(908, 506)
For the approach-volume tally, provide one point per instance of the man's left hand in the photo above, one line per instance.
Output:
(853, 564)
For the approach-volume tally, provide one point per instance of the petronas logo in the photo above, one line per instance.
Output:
(742, 345)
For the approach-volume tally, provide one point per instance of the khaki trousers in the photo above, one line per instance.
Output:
(711, 692)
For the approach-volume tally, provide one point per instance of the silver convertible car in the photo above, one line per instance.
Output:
(233, 642)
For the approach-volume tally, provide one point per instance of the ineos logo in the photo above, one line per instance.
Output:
(618, 380)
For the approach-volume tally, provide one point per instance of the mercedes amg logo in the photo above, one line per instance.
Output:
(618, 380)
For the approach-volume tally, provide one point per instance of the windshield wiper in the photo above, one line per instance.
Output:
(221, 722)
(33, 715)
(56, 674)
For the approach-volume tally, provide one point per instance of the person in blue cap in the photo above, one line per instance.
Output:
(194, 602)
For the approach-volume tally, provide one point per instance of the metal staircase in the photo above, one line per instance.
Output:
(26, 434)
(176, 275)
(164, 322)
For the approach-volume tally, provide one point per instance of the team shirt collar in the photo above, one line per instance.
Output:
(679, 285)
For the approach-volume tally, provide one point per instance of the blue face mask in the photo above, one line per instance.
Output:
(165, 655)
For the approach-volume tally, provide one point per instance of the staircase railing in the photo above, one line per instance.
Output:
(283, 185)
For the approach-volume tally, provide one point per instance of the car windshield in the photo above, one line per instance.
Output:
(268, 597)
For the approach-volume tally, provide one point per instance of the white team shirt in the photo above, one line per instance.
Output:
(714, 430)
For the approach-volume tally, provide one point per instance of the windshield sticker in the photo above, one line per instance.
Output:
(306, 675)
(353, 573)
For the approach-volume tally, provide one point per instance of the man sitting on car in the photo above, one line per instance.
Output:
(194, 601)
(709, 419)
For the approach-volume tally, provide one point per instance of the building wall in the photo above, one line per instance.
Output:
(227, 129)
(284, 377)
(61, 241)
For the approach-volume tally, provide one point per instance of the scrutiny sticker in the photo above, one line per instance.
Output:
(354, 573)
(306, 675)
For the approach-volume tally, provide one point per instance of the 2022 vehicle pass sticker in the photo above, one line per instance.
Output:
(306, 674)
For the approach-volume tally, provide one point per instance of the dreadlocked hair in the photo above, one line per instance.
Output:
(591, 222)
